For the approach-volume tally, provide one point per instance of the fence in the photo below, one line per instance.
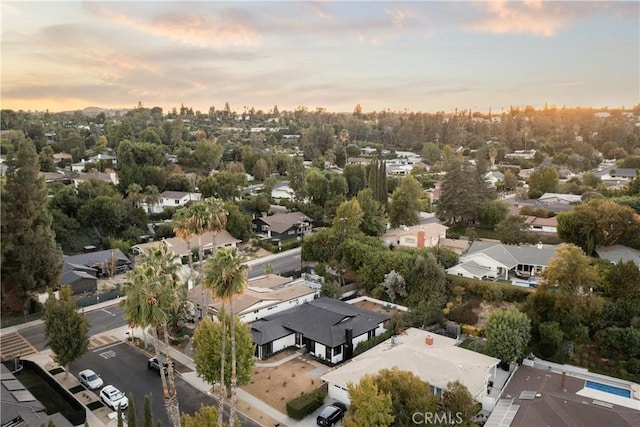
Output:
(18, 320)
(95, 299)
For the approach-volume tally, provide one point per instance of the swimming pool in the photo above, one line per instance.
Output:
(618, 391)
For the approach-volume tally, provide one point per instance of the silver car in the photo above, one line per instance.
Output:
(112, 397)
(90, 379)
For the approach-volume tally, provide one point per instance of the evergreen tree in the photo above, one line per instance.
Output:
(406, 203)
(31, 258)
(66, 329)
(148, 413)
(378, 181)
(131, 413)
(120, 420)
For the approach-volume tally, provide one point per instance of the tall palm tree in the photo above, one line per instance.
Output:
(182, 228)
(151, 297)
(226, 276)
(151, 197)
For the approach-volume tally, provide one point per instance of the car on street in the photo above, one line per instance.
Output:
(112, 397)
(153, 363)
(331, 414)
(90, 379)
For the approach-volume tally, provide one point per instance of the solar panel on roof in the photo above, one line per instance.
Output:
(527, 395)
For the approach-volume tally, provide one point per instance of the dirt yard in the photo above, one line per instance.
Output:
(278, 385)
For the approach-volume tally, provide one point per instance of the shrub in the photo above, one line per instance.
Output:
(305, 404)
(473, 331)
(464, 314)
(366, 345)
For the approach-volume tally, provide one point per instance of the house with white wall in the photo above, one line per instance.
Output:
(508, 262)
(433, 358)
(171, 199)
(329, 329)
(416, 236)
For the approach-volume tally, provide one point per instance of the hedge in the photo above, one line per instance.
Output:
(305, 404)
(510, 293)
(366, 345)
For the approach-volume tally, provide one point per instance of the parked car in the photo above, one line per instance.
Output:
(331, 414)
(112, 397)
(153, 364)
(90, 379)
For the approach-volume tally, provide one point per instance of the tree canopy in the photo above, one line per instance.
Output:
(508, 333)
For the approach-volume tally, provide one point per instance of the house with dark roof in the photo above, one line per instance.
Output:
(106, 263)
(282, 226)
(490, 260)
(329, 329)
(80, 278)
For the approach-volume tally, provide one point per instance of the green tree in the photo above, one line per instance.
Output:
(31, 258)
(206, 416)
(131, 412)
(348, 218)
(66, 329)
(356, 176)
(409, 394)
(600, 222)
(456, 399)
(374, 221)
(543, 181)
(463, 190)
(406, 203)
(513, 230)
(120, 422)
(260, 170)
(492, 212)
(316, 187)
(148, 411)
(47, 163)
(570, 271)
(378, 181)
(151, 298)
(370, 406)
(550, 338)
(622, 281)
(394, 285)
(225, 276)
(431, 153)
(508, 333)
(208, 353)
(510, 180)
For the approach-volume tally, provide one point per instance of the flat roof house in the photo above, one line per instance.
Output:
(434, 358)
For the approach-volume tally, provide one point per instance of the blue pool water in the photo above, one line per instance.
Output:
(618, 391)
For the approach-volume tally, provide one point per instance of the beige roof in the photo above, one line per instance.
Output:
(437, 364)
(547, 222)
(459, 246)
(430, 229)
(264, 291)
(180, 248)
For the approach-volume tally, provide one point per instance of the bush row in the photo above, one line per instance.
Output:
(502, 291)
(305, 404)
(366, 345)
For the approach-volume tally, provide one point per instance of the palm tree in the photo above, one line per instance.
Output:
(182, 227)
(226, 276)
(151, 297)
(151, 197)
(134, 194)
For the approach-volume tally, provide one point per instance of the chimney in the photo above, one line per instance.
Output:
(348, 346)
(428, 340)
(421, 239)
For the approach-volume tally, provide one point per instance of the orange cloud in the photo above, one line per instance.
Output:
(504, 17)
(201, 31)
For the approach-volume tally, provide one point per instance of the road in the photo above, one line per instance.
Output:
(289, 261)
(100, 320)
(125, 367)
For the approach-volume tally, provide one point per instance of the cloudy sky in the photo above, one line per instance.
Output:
(421, 56)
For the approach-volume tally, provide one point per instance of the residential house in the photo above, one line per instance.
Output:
(329, 329)
(107, 158)
(282, 226)
(617, 253)
(282, 191)
(106, 263)
(494, 177)
(551, 198)
(416, 236)
(81, 177)
(521, 154)
(265, 295)
(171, 199)
(60, 157)
(181, 249)
(435, 359)
(435, 193)
(523, 265)
(542, 225)
(80, 278)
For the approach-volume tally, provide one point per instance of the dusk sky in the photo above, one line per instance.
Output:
(420, 56)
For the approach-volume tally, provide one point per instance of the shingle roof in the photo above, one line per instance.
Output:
(618, 253)
(323, 320)
(93, 259)
(510, 255)
(282, 222)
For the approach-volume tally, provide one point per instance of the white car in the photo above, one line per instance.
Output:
(112, 397)
(90, 379)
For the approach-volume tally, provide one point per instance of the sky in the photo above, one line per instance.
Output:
(425, 56)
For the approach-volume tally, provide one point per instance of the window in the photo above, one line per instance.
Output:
(177, 202)
(337, 350)
(410, 239)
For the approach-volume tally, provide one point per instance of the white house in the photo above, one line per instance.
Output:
(433, 358)
(172, 199)
(508, 262)
(416, 236)
(282, 190)
(493, 177)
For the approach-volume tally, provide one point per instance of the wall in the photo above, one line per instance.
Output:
(284, 342)
(339, 394)
(273, 309)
